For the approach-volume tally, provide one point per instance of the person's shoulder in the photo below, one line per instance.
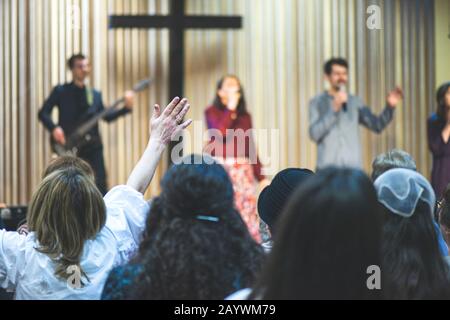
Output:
(13, 238)
(61, 87)
(433, 118)
(242, 294)
(96, 91)
(120, 191)
(64, 86)
(356, 99)
(212, 109)
(13, 244)
(318, 97)
(245, 115)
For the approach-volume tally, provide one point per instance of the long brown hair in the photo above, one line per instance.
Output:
(242, 105)
(326, 240)
(440, 99)
(66, 210)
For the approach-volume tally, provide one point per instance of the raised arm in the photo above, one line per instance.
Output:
(378, 123)
(163, 126)
(374, 122)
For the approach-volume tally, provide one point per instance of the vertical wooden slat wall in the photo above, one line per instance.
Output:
(283, 46)
(278, 55)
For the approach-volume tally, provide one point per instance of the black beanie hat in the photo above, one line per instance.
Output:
(274, 197)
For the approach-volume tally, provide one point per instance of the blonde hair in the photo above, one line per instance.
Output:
(64, 162)
(66, 210)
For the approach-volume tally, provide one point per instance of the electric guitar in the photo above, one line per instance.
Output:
(81, 137)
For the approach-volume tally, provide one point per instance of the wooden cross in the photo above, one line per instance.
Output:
(177, 22)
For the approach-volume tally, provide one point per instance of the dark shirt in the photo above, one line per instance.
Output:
(222, 120)
(440, 173)
(74, 110)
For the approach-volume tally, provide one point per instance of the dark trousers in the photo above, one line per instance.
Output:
(94, 156)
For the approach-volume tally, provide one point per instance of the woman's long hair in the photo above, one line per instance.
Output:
(196, 245)
(413, 266)
(242, 104)
(443, 212)
(440, 99)
(328, 238)
(66, 210)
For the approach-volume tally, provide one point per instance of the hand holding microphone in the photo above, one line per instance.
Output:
(340, 100)
(233, 99)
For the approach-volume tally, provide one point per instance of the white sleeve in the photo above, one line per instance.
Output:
(12, 258)
(127, 213)
(242, 294)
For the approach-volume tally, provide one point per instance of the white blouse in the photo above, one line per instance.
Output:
(31, 274)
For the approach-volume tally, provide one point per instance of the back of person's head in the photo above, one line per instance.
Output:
(66, 210)
(196, 245)
(274, 197)
(413, 267)
(65, 162)
(328, 237)
(392, 159)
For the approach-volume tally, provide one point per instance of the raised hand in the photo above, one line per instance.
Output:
(167, 124)
(163, 126)
(129, 99)
(233, 100)
(394, 97)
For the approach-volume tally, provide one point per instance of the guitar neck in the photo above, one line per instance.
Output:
(88, 125)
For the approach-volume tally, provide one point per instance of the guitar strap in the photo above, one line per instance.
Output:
(89, 96)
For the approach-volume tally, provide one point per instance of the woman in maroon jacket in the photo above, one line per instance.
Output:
(230, 141)
(438, 141)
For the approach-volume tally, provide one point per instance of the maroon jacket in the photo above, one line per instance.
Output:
(223, 119)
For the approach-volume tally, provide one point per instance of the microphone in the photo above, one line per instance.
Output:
(344, 89)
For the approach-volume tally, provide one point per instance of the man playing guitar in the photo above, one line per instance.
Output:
(77, 103)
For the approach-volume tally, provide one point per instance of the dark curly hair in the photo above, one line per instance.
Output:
(184, 256)
(444, 209)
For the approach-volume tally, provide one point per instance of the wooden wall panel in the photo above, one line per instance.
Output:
(278, 55)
